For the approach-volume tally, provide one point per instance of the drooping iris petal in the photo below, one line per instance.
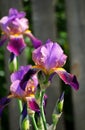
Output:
(49, 56)
(33, 105)
(16, 45)
(3, 102)
(36, 42)
(67, 78)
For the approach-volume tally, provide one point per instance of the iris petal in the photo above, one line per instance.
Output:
(16, 89)
(16, 45)
(36, 42)
(18, 75)
(67, 78)
(33, 105)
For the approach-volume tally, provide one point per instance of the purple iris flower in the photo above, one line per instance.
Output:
(24, 82)
(24, 85)
(50, 58)
(13, 27)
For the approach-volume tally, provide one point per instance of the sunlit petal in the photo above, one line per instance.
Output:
(67, 77)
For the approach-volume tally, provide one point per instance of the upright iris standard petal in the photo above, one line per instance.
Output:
(14, 23)
(14, 12)
(16, 45)
(49, 56)
(67, 78)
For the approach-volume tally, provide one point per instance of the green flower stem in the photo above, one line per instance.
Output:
(42, 110)
(15, 63)
(34, 122)
(20, 105)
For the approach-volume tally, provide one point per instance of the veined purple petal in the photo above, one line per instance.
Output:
(49, 56)
(30, 75)
(14, 12)
(33, 105)
(16, 89)
(16, 45)
(3, 102)
(68, 78)
(36, 42)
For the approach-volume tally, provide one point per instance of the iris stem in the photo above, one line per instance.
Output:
(20, 105)
(34, 122)
(42, 110)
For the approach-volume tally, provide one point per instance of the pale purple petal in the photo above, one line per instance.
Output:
(16, 89)
(18, 75)
(14, 12)
(49, 56)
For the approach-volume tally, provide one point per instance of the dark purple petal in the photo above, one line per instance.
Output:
(33, 105)
(3, 102)
(24, 112)
(68, 78)
(16, 45)
(26, 78)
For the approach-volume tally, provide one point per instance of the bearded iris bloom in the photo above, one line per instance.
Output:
(13, 27)
(23, 87)
(50, 58)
